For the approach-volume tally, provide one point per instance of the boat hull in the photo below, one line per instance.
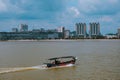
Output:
(61, 66)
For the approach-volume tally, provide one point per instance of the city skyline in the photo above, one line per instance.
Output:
(78, 28)
(51, 14)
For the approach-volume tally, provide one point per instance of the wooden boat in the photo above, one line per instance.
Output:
(65, 61)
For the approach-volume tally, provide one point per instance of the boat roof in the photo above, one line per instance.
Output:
(61, 57)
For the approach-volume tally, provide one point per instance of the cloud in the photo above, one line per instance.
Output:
(75, 11)
(114, 1)
(107, 19)
(30, 9)
(59, 12)
(10, 6)
(99, 7)
(3, 7)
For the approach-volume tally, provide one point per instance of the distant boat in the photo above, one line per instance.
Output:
(65, 61)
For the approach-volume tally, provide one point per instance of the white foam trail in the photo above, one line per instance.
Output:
(18, 69)
(39, 67)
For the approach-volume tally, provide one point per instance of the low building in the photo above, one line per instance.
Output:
(73, 35)
(111, 36)
(37, 35)
(23, 27)
(3, 35)
(119, 33)
(61, 31)
(14, 29)
(67, 34)
(53, 36)
(22, 35)
(36, 30)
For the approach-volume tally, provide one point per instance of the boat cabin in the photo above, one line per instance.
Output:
(61, 61)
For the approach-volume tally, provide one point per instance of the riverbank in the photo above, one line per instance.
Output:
(56, 40)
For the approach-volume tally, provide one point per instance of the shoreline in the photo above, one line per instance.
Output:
(54, 40)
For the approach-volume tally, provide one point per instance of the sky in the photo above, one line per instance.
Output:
(51, 14)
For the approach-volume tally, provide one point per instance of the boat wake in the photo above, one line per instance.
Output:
(19, 69)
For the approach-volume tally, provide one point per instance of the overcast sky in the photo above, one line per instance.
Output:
(50, 14)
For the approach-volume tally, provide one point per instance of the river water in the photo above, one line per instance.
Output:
(97, 59)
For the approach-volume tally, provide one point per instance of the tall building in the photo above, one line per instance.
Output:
(23, 27)
(119, 33)
(81, 30)
(94, 30)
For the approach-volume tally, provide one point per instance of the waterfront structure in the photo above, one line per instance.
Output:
(23, 35)
(61, 30)
(119, 33)
(51, 30)
(42, 30)
(14, 29)
(31, 35)
(81, 30)
(3, 36)
(67, 34)
(53, 35)
(94, 30)
(23, 27)
(111, 36)
(73, 34)
(36, 30)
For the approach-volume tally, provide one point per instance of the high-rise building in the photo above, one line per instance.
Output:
(94, 30)
(119, 33)
(23, 27)
(81, 30)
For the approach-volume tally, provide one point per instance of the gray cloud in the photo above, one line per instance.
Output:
(99, 7)
(30, 9)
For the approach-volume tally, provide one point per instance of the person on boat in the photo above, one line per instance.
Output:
(57, 61)
(73, 61)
